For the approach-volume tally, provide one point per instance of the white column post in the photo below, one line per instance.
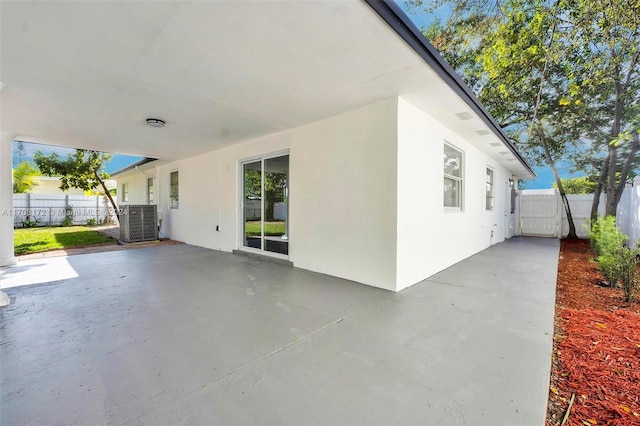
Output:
(6, 206)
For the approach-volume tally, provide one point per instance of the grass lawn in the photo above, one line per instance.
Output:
(270, 228)
(34, 240)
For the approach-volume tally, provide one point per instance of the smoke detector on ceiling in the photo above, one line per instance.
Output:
(155, 122)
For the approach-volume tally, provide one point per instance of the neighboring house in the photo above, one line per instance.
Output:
(51, 185)
(330, 134)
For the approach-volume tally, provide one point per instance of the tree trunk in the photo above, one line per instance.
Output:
(108, 194)
(624, 174)
(612, 205)
(563, 196)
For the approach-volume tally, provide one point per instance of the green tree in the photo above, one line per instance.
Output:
(19, 153)
(561, 76)
(24, 178)
(606, 39)
(83, 169)
(577, 185)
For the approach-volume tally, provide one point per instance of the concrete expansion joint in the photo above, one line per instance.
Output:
(486, 291)
(288, 345)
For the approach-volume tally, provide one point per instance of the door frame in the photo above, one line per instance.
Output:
(240, 211)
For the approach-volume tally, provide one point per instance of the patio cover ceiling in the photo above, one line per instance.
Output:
(88, 74)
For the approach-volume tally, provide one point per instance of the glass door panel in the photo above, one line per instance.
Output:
(252, 204)
(276, 205)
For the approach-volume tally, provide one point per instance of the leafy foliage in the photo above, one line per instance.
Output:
(605, 236)
(561, 76)
(24, 178)
(613, 257)
(628, 262)
(19, 153)
(577, 185)
(82, 169)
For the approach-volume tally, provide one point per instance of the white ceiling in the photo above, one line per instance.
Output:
(88, 74)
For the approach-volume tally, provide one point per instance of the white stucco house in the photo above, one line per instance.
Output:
(329, 134)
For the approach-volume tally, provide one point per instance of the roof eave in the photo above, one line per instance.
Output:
(391, 13)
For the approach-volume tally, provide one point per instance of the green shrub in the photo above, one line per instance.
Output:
(91, 221)
(605, 236)
(28, 223)
(68, 216)
(628, 261)
(607, 242)
(609, 265)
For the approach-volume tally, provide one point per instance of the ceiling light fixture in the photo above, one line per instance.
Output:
(155, 122)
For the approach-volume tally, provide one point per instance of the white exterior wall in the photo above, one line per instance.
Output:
(51, 185)
(46, 186)
(366, 200)
(342, 194)
(431, 239)
(137, 187)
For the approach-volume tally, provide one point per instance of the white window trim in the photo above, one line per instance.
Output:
(493, 189)
(461, 179)
(125, 192)
(150, 201)
(171, 206)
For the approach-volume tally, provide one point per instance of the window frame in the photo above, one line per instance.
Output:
(174, 200)
(125, 192)
(460, 179)
(151, 194)
(490, 189)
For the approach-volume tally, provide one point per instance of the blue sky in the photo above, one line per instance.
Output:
(117, 162)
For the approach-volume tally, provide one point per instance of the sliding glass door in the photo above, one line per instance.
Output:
(265, 206)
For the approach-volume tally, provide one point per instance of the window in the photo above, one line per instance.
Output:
(150, 199)
(173, 190)
(125, 192)
(453, 164)
(489, 189)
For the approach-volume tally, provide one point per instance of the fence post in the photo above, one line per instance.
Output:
(559, 210)
(97, 209)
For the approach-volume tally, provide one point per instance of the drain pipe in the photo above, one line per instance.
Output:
(144, 173)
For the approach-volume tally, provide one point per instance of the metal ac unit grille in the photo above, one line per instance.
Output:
(138, 223)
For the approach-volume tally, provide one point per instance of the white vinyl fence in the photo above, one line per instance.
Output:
(541, 213)
(628, 217)
(52, 209)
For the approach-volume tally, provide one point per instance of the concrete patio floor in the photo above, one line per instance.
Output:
(184, 335)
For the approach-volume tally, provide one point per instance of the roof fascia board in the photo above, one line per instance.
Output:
(132, 166)
(391, 13)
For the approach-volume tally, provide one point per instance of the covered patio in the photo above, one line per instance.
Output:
(185, 335)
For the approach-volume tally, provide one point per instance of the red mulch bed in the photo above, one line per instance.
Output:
(596, 353)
